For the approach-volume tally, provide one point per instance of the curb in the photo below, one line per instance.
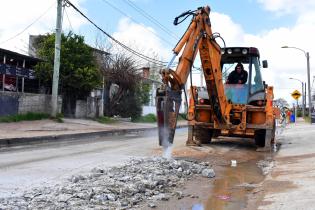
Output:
(64, 137)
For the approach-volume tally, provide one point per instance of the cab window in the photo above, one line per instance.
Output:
(256, 79)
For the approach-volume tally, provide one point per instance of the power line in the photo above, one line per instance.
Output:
(151, 19)
(27, 27)
(122, 12)
(152, 60)
(68, 19)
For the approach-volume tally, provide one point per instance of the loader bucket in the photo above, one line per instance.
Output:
(167, 109)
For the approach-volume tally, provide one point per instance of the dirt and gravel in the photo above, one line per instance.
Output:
(120, 172)
(139, 182)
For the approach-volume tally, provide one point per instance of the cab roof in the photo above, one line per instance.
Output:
(238, 54)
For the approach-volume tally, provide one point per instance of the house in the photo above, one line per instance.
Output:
(19, 87)
(17, 72)
(150, 108)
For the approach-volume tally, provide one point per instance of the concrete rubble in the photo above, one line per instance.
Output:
(265, 166)
(138, 183)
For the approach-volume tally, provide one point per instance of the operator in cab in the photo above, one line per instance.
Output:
(238, 76)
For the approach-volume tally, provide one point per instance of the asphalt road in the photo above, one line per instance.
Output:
(24, 167)
(240, 187)
(47, 164)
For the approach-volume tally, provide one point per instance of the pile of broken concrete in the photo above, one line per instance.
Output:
(137, 183)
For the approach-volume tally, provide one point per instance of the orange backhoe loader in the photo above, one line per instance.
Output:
(219, 109)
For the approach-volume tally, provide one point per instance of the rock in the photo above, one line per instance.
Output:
(194, 196)
(124, 203)
(97, 170)
(111, 197)
(163, 197)
(208, 173)
(101, 197)
(74, 179)
(205, 163)
(64, 197)
(151, 205)
(179, 194)
(124, 187)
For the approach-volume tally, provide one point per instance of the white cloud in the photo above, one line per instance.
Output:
(141, 38)
(230, 31)
(283, 63)
(14, 19)
(287, 6)
(286, 63)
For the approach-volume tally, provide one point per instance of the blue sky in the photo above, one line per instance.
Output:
(266, 24)
(241, 11)
(248, 13)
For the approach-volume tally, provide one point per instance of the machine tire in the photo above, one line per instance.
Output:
(260, 137)
(273, 137)
(216, 133)
(203, 135)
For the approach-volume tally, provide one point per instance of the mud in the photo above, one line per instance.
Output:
(232, 186)
(228, 190)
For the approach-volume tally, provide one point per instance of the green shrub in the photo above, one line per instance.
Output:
(105, 120)
(182, 116)
(24, 117)
(299, 113)
(149, 118)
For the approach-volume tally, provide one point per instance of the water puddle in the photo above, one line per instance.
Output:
(231, 188)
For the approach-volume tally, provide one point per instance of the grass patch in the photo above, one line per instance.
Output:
(24, 117)
(105, 120)
(182, 116)
(307, 119)
(58, 118)
(149, 118)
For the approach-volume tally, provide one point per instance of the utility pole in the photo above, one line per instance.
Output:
(307, 55)
(309, 86)
(304, 96)
(303, 105)
(54, 97)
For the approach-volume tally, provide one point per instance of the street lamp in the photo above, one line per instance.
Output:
(307, 55)
(303, 104)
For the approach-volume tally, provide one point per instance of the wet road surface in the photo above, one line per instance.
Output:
(232, 185)
(24, 167)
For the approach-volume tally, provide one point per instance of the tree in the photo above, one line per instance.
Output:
(125, 93)
(78, 71)
(280, 102)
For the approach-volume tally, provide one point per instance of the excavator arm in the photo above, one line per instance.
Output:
(197, 38)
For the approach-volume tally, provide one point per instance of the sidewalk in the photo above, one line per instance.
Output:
(43, 130)
(291, 183)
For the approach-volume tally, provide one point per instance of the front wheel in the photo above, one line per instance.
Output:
(203, 135)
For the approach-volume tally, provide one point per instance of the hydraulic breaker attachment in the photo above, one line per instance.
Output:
(167, 108)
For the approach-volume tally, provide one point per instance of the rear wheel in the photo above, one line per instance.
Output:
(265, 138)
(260, 136)
(203, 135)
